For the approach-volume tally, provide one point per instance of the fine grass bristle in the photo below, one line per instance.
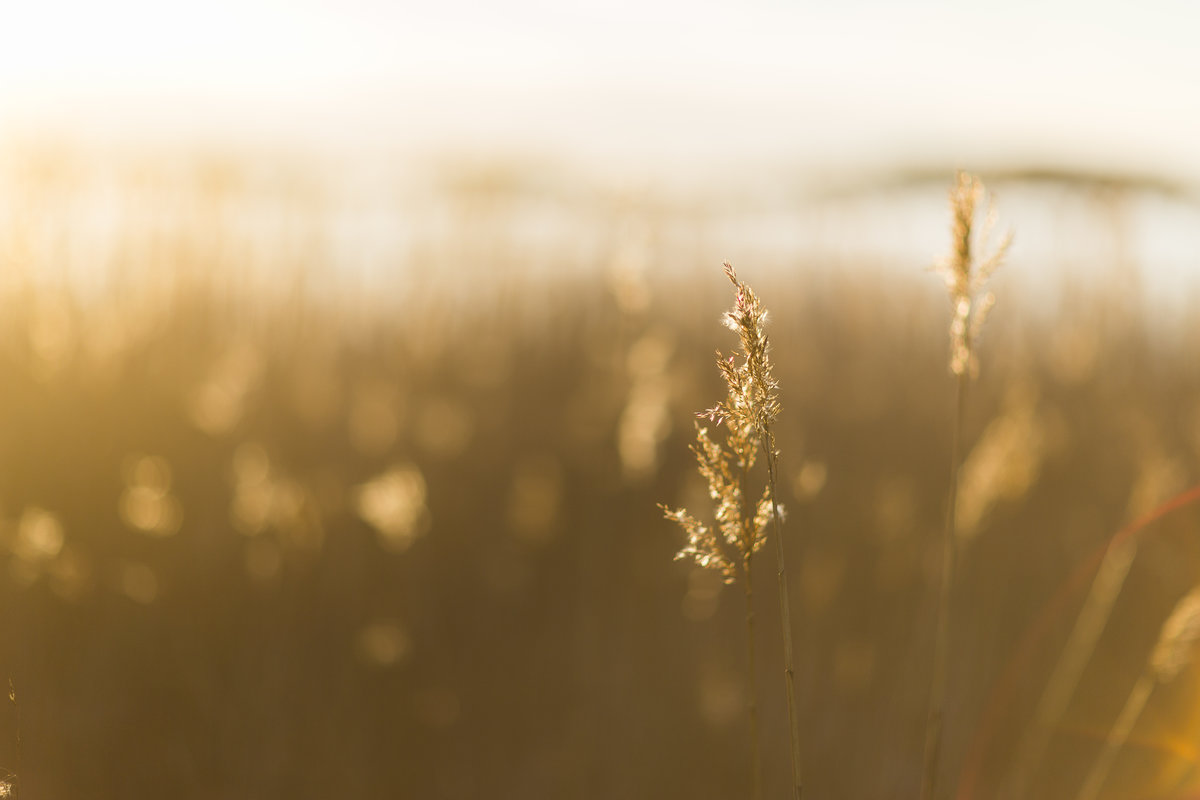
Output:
(738, 534)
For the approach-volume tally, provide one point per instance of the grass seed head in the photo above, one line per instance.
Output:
(968, 268)
(750, 406)
(753, 397)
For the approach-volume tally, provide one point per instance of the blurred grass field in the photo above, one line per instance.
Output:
(273, 526)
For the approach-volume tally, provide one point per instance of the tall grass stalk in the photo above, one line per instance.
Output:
(753, 403)
(966, 276)
(1076, 654)
(941, 642)
(1171, 654)
(749, 409)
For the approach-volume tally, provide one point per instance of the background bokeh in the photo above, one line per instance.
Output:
(347, 352)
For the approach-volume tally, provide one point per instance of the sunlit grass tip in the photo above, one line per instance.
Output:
(968, 268)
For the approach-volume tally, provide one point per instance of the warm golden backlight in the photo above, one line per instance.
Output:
(347, 351)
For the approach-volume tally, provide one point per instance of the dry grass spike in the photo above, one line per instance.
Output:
(969, 267)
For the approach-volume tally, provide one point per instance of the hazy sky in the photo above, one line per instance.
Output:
(680, 84)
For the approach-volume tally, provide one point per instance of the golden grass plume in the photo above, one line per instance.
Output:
(969, 267)
(750, 407)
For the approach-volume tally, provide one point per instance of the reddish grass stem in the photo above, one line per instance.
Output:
(1018, 665)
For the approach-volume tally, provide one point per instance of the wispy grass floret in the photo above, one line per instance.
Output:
(737, 536)
(748, 411)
